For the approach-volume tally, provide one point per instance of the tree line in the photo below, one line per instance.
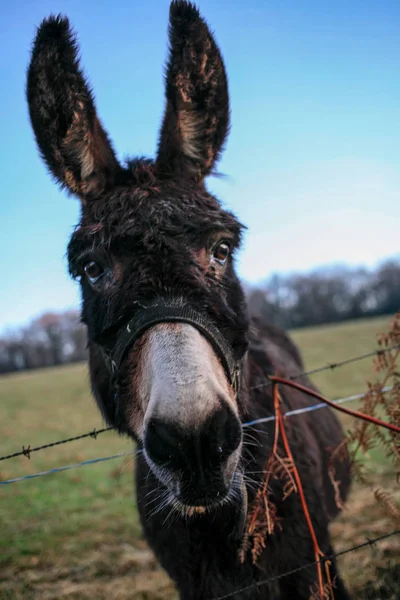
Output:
(326, 295)
(51, 339)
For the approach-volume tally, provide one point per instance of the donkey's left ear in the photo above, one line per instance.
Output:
(196, 118)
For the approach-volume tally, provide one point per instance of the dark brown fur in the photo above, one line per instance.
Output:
(152, 225)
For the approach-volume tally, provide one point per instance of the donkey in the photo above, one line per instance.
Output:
(175, 360)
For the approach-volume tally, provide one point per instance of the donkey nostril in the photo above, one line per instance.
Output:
(223, 433)
(162, 442)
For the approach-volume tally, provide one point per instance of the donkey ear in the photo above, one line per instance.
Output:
(68, 132)
(196, 118)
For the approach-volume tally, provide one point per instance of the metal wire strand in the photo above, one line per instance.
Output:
(65, 468)
(263, 582)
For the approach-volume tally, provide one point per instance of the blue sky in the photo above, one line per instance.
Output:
(312, 163)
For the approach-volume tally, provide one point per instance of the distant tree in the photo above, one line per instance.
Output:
(325, 295)
(386, 288)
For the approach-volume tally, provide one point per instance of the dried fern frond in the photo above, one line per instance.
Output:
(365, 437)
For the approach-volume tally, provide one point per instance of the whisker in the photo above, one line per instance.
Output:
(159, 498)
(251, 480)
(252, 444)
(251, 427)
(170, 514)
(160, 491)
(163, 504)
(248, 434)
(153, 491)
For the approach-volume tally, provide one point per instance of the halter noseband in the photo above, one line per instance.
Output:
(172, 311)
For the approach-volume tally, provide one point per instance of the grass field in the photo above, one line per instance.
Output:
(76, 534)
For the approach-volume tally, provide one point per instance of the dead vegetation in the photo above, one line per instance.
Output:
(130, 572)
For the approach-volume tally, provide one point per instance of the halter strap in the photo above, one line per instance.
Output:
(173, 311)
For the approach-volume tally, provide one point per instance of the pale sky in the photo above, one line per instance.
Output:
(312, 164)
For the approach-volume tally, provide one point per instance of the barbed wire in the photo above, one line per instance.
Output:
(324, 559)
(332, 366)
(244, 425)
(28, 450)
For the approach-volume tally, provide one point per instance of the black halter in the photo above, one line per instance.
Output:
(168, 311)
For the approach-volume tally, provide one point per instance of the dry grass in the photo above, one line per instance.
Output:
(76, 535)
(365, 519)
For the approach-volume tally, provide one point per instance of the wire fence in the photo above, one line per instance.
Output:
(327, 558)
(93, 434)
(299, 411)
(84, 463)
(28, 450)
(335, 365)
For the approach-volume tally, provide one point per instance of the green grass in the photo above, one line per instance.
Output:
(65, 533)
(41, 407)
(332, 343)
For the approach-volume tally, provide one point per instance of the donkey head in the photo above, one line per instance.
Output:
(153, 253)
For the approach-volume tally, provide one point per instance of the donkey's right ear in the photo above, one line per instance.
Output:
(68, 132)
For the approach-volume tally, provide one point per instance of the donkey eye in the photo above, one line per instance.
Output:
(92, 270)
(221, 252)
